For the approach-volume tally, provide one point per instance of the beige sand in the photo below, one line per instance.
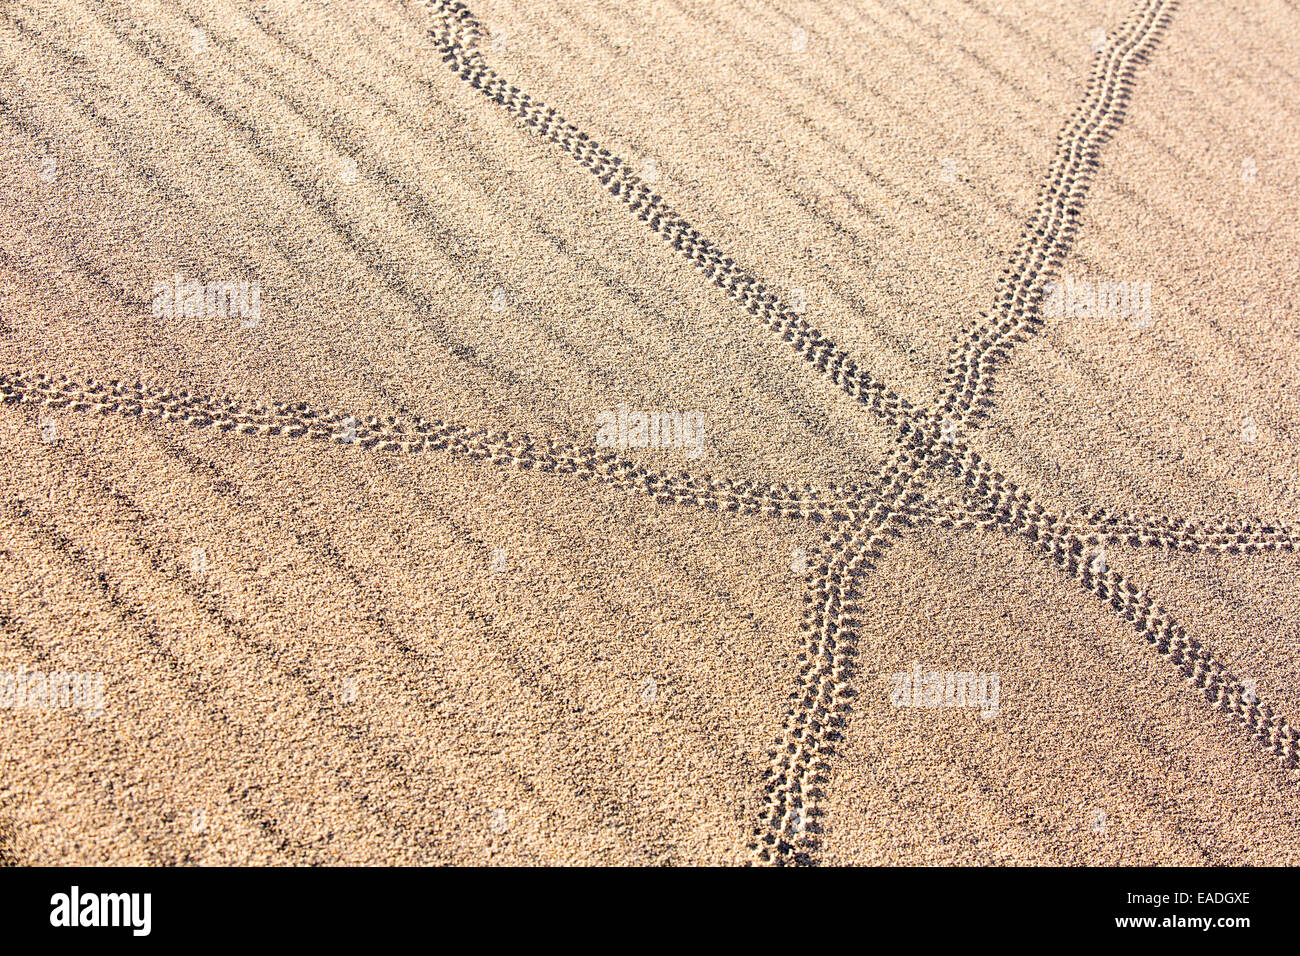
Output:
(407, 642)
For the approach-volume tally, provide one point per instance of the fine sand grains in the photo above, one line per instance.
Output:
(362, 584)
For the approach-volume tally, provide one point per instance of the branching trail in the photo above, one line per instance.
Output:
(457, 33)
(1049, 233)
(931, 440)
(933, 450)
(820, 702)
(414, 435)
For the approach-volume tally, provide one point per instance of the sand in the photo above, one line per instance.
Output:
(360, 580)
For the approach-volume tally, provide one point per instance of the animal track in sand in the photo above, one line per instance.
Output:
(932, 442)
